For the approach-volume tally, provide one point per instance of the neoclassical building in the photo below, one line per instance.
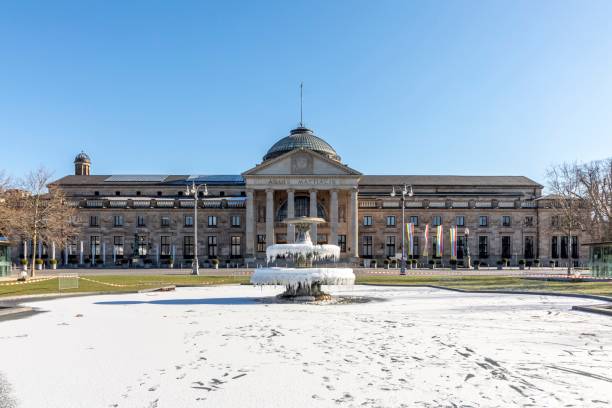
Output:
(150, 216)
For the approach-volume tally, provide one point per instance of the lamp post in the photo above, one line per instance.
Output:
(405, 193)
(467, 247)
(194, 191)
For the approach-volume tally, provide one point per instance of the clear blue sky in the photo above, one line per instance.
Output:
(396, 87)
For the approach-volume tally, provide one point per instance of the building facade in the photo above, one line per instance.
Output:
(126, 218)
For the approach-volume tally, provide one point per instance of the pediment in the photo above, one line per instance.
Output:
(301, 162)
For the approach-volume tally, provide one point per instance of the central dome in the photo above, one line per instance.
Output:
(301, 138)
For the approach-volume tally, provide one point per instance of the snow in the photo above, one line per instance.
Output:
(291, 277)
(219, 347)
(317, 252)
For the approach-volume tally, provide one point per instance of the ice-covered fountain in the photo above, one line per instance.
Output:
(303, 281)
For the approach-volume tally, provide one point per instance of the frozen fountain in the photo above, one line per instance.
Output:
(303, 281)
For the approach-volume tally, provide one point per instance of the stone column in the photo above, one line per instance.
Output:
(290, 214)
(313, 213)
(269, 217)
(250, 224)
(333, 215)
(353, 225)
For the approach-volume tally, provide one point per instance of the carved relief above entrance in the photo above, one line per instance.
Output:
(301, 164)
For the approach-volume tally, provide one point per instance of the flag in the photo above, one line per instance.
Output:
(426, 236)
(453, 242)
(439, 241)
(410, 234)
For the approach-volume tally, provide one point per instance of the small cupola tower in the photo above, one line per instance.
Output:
(82, 162)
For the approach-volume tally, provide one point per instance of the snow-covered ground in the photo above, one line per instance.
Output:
(217, 347)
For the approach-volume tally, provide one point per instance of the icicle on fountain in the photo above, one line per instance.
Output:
(303, 282)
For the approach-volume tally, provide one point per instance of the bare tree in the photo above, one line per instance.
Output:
(5, 214)
(568, 201)
(39, 212)
(596, 180)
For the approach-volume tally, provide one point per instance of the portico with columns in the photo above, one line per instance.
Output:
(301, 182)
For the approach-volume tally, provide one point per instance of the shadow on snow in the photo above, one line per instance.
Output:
(208, 301)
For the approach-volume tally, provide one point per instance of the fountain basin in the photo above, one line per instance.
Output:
(292, 277)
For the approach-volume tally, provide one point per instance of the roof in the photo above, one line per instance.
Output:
(450, 180)
(236, 179)
(149, 179)
(301, 138)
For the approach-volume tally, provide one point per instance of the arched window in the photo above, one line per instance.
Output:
(301, 209)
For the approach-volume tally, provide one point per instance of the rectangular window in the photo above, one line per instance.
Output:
(483, 221)
(118, 245)
(367, 220)
(554, 247)
(367, 246)
(140, 221)
(235, 221)
(529, 221)
(212, 246)
(189, 220)
(415, 247)
(164, 246)
(437, 220)
(94, 221)
(143, 245)
(165, 221)
(390, 245)
(575, 254)
(506, 220)
(235, 249)
(506, 247)
(94, 241)
(390, 220)
(483, 247)
(554, 221)
(342, 242)
(414, 219)
(528, 248)
(461, 247)
(564, 247)
(188, 247)
(460, 221)
(118, 220)
(212, 221)
(261, 243)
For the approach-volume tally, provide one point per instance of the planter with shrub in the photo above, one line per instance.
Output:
(24, 264)
(53, 263)
(170, 262)
(453, 264)
(476, 264)
(536, 262)
(386, 262)
(552, 264)
(500, 265)
(414, 264)
(39, 264)
(522, 264)
(215, 263)
(432, 264)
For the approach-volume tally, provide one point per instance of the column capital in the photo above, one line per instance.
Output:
(269, 190)
(291, 190)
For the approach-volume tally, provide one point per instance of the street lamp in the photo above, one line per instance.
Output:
(405, 193)
(194, 191)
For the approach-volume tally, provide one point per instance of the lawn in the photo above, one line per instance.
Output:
(131, 283)
(128, 283)
(476, 283)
